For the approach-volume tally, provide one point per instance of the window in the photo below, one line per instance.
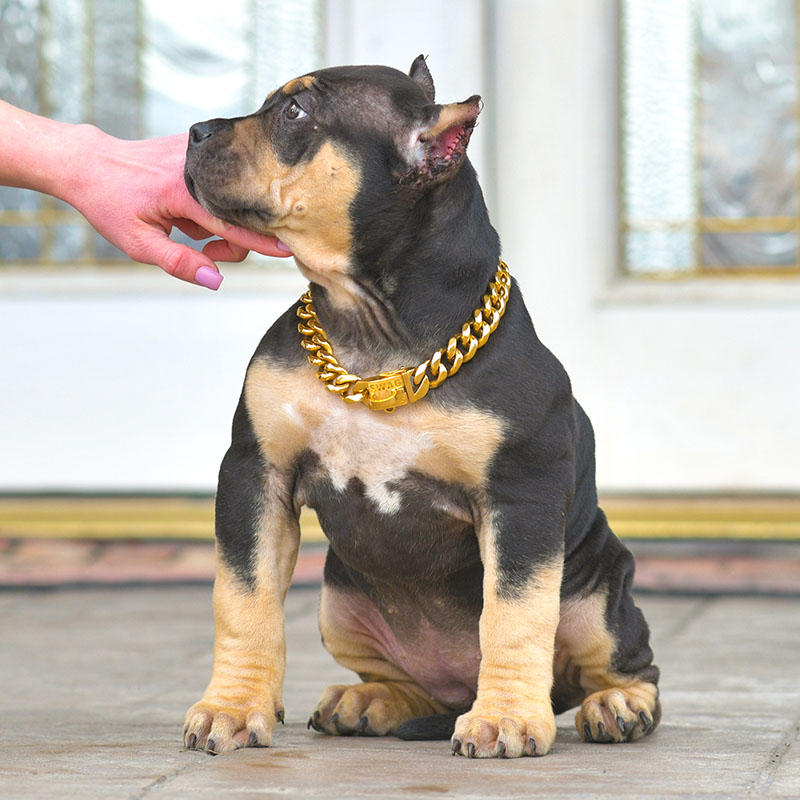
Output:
(136, 68)
(709, 137)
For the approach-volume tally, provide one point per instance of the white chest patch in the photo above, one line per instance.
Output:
(291, 412)
(356, 443)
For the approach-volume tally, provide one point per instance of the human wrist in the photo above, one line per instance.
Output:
(73, 175)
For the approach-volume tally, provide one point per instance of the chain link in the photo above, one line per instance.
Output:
(405, 385)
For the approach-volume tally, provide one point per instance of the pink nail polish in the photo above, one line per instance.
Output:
(281, 246)
(208, 277)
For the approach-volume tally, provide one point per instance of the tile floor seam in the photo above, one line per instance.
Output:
(163, 780)
(768, 772)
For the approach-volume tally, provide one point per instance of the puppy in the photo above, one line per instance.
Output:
(471, 581)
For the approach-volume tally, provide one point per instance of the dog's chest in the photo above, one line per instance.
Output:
(375, 454)
(356, 449)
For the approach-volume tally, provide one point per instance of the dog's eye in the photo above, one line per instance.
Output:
(293, 111)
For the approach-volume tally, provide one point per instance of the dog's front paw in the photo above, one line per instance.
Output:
(494, 733)
(219, 727)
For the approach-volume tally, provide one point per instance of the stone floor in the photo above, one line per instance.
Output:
(96, 682)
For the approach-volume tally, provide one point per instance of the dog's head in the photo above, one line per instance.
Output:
(296, 167)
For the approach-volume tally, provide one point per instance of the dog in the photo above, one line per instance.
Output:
(471, 581)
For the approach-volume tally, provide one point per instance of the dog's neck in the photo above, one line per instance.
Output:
(418, 274)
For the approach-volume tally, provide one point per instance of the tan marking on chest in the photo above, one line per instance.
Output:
(292, 411)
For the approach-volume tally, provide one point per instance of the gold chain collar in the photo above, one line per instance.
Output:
(387, 391)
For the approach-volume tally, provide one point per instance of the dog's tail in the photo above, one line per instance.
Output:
(438, 726)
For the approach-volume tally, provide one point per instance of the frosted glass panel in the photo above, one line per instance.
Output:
(287, 41)
(19, 53)
(19, 84)
(658, 110)
(68, 242)
(12, 199)
(19, 244)
(115, 64)
(66, 61)
(659, 251)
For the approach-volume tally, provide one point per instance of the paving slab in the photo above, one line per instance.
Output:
(95, 683)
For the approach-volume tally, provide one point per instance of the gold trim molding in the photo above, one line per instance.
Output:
(753, 517)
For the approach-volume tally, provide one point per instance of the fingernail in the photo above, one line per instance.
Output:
(208, 277)
(281, 246)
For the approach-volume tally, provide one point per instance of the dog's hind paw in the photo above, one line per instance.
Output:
(370, 709)
(619, 714)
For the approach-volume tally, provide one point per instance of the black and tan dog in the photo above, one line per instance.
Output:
(472, 582)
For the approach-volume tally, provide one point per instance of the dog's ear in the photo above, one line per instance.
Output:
(421, 74)
(433, 150)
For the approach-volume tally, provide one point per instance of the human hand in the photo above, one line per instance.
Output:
(133, 193)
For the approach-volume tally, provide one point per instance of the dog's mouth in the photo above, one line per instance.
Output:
(256, 218)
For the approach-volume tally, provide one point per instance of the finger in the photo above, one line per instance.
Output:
(249, 240)
(220, 250)
(260, 243)
(265, 244)
(192, 229)
(178, 260)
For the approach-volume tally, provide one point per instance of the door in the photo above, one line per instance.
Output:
(693, 382)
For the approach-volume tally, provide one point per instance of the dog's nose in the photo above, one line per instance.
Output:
(201, 131)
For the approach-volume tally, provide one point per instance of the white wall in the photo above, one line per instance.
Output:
(124, 390)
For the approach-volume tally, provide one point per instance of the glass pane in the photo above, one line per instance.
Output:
(19, 53)
(658, 111)
(19, 243)
(65, 67)
(12, 199)
(659, 251)
(68, 242)
(105, 251)
(749, 250)
(287, 43)
(748, 129)
(138, 68)
(222, 59)
(195, 64)
(115, 74)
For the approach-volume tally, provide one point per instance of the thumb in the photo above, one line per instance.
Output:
(180, 261)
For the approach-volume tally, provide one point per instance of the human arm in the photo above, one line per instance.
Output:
(132, 192)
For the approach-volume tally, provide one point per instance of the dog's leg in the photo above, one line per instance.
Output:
(386, 699)
(257, 539)
(604, 640)
(522, 552)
